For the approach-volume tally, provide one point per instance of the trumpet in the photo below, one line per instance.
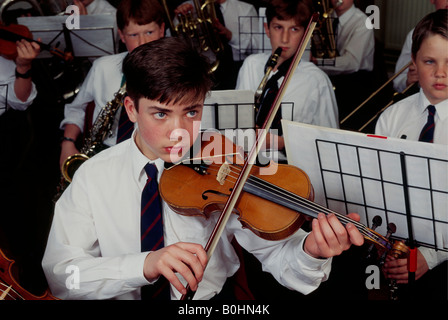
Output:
(199, 29)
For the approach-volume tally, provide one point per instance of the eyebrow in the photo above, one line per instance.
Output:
(166, 110)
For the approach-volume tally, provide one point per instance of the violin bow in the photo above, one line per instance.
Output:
(245, 171)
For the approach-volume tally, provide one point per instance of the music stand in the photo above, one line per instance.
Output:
(94, 38)
(355, 172)
(232, 113)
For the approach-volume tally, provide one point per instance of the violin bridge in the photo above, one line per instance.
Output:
(223, 172)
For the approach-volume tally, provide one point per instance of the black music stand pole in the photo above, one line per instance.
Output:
(412, 258)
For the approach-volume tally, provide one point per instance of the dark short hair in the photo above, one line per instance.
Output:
(435, 23)
(168, 70)
(299, 10)
(140, 12)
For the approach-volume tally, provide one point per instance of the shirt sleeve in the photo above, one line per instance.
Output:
(404, 58)
(73, 262)
(286, 260)
(16, 103)
(75, 112)
(433, 258)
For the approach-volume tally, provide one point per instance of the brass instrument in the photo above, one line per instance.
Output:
(375, 93)
(270, 65)
(199, 29)
(323, 40)
(101, 129)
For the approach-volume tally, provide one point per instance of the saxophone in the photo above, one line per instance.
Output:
(93, 143)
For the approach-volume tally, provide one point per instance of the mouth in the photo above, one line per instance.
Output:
(174, 149)
(439, 86)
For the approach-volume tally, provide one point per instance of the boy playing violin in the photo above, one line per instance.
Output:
(96, 225)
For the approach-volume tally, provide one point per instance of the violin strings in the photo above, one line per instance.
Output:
(298, 200)
(7, 292)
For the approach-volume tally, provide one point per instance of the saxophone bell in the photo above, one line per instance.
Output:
(71, 164)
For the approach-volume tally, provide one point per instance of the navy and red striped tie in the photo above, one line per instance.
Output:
(151, 214)
(427, 134)
(151, 225)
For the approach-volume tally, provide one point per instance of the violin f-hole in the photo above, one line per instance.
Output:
(205, 197)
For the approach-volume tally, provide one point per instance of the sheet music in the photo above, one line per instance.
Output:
(95, 37)
(355, 172)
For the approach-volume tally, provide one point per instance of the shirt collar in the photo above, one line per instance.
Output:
(139, 160)
(223, 6)
(441, 107)
(347, 15)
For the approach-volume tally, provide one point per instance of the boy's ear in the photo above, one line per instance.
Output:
(266, 29)
(130, 108)
(120, 33)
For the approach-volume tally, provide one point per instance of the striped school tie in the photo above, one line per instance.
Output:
(427, 134)
(151, 224)
(151, 214)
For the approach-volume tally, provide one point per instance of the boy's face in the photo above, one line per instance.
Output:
(285, 34)
(134, 35)
(431, 63)
(440, 4)
(341, 6)
(165, 131)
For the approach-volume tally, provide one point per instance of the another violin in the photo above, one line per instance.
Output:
(12, 33)
(10, 289)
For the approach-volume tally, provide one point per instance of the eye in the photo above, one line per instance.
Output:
(192, 113)
(429, 61)
(159, 115)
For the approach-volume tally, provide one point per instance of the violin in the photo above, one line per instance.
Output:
(12, 33)
(273, 206)
(10, 289)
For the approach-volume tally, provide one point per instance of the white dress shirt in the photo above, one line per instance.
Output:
(309, 89)
(101, 7)
(96, 230)
(404, 58)
(407, 118)
(7, 92)
(100, 85)
(232, 10)
(355, 44)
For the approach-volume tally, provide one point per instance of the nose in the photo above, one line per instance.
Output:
(178, 129)
(285, 36)
(441, 70)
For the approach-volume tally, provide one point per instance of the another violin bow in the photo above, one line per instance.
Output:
(245, 171)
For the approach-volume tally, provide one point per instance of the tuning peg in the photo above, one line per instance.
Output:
(376, 222)
(391, 229)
